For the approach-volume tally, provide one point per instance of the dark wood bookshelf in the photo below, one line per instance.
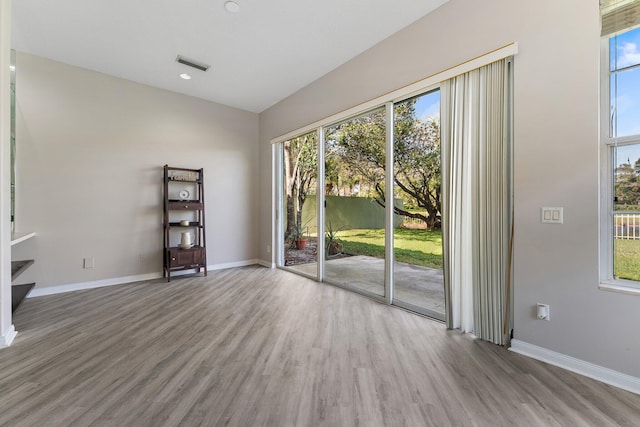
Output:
(191, 208)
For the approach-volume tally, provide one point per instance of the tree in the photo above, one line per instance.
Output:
(300, 173)
(360, 145)
(417, 166)
(356, 154)
(627, 186)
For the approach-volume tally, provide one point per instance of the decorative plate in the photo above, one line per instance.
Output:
(184, 194)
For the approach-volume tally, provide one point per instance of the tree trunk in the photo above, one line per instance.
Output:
(289, 186)
(431, 219)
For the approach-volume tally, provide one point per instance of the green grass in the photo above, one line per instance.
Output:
(627, 259)
(421, 247)
(413, 246)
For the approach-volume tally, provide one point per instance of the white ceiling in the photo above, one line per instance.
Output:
(262, 54)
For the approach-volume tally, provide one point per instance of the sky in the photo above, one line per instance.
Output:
(428, 105)
(625, 52)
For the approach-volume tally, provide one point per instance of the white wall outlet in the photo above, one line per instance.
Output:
(268, 249)
(552, 215)
(542, 312)
(89, 262)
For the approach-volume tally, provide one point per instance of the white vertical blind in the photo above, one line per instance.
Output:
(476, 144)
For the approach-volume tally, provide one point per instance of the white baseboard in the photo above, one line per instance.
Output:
(7, 338)
(52, 290)
(606, 375)
(232, 264)
(266, 263)
(59, 289)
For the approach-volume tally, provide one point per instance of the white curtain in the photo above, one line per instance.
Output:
(477, 199)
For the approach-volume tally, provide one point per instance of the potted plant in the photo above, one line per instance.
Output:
(300, 236)
(333, 245)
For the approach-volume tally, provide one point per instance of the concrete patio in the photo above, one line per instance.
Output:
(416, 285)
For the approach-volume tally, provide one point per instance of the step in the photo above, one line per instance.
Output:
(18, 267)
(18, 293)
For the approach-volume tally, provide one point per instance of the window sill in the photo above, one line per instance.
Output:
(619, 287)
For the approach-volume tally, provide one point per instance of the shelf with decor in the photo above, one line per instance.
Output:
(183, 221)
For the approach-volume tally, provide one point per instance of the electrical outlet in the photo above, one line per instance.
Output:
(542, 312)
(89, 262)
(268, 249)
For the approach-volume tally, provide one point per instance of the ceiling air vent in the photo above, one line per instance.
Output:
(191, 63)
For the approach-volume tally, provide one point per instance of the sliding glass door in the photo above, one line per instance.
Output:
(392, 253)
(417, 270)
(299, 171)
(354, 152)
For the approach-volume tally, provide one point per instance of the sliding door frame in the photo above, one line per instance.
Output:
(386, 101)
(320, 205)
(388, 223)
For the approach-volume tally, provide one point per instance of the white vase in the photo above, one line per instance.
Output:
(186, 240)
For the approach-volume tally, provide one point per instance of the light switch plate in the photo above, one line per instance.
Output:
(550, 215)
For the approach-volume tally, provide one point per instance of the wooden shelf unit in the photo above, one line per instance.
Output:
(183, 200)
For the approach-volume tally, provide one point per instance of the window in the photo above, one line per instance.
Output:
(621, 149)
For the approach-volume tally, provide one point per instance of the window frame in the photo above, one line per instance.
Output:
(608, 142)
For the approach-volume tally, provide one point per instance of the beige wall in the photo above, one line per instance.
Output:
(556, 155)
(90, 154)
(7, 330)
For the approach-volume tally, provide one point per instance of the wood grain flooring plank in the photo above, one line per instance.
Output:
(253, 346)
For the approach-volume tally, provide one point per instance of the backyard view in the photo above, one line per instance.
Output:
(624, 67)
(299, 173)
(412, 246)
(627, 259)
(355, 201)
(626, 244)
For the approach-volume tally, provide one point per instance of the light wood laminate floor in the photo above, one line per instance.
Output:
(262, 347)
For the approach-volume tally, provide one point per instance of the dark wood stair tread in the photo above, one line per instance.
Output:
(18, 293)
(18, 267)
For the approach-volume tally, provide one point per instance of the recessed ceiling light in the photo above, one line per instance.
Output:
(185, 76)
(232, 7)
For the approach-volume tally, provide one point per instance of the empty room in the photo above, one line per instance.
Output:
(339, 213)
